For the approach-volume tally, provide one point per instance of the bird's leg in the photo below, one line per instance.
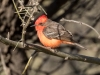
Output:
(55, 50)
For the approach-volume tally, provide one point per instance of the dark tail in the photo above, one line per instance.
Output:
(76, 44)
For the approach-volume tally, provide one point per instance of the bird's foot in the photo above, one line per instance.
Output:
(66, 58)
(54, 50)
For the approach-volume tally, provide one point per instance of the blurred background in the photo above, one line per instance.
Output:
(87, 11)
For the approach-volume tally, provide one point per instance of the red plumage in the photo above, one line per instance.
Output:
(52, 34)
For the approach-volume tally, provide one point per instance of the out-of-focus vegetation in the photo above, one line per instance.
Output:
(86, 11)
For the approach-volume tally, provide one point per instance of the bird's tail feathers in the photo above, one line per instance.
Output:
(76, 44)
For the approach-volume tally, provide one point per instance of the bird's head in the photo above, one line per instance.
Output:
(39, 22)
(42, 19)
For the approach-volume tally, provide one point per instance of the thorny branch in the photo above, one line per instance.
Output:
(39, 48)
(27, 23)
(29, 13)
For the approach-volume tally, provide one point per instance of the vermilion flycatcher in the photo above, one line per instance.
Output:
(52, 34)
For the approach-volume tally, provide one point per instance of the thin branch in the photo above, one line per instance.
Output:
(3, 63)
(26, 25)
(40, 48)
(17, 11)
(16, 45)
(32, 56)
(23, 7)
(42, 9)
(81, 23)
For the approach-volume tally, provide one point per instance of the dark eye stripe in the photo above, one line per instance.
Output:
(41, 24)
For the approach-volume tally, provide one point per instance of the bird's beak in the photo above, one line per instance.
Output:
(32, 25)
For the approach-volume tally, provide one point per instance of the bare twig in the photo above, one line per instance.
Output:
(42, 9)
(16, 45)
(27, 23)
(33, 55)
(22, 6)
(17, 11)
(3, 63)
(40, 48)
(8, 36)
(81, 23)
(30, 15)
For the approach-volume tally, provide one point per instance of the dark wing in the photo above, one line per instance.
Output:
(55, 30)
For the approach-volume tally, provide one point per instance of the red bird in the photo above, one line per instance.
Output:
(53, 34)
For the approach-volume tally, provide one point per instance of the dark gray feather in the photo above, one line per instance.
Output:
(55, 30)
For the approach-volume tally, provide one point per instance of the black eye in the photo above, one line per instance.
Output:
(41, 24)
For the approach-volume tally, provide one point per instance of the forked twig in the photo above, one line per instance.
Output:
(17, 11)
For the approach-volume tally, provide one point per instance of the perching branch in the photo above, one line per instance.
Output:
(39, 48)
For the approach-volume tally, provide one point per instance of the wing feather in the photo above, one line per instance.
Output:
(55, 30)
